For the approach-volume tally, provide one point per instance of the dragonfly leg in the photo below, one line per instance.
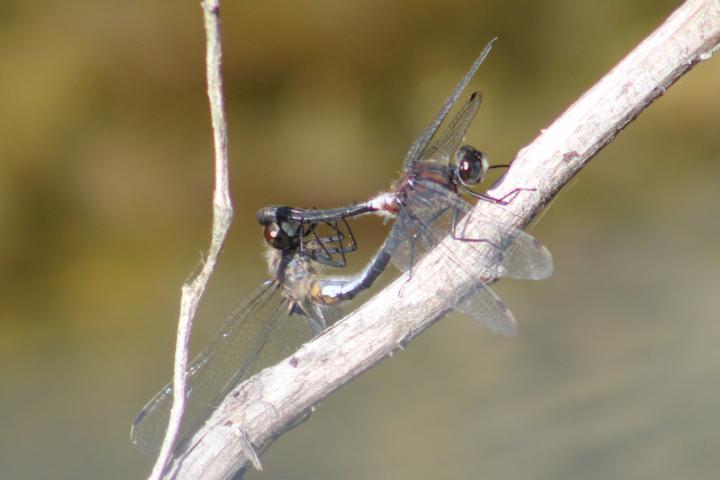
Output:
(353, 244)
(457, 236)
(328, 260)
(322, 248)
(504, 200)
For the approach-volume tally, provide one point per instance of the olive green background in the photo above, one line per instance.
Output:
(105, 200)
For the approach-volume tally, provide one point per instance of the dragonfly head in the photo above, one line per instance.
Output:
(472, 164)
(280, 232)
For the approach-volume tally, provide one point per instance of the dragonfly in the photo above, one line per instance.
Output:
(427, 204)
(287, 310)
(285, 226)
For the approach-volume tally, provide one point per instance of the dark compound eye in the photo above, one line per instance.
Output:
(276, 237)
(472, 165)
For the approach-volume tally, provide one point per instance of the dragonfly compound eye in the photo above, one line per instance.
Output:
(276, 237)
(472, 165)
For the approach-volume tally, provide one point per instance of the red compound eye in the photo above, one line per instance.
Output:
(274, 236)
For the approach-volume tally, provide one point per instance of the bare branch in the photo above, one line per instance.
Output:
(193, 290)
(275, 399)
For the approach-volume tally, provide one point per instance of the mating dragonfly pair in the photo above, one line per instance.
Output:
(426, 203)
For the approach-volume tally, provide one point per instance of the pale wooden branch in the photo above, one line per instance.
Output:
(266, 405)
(192, 291)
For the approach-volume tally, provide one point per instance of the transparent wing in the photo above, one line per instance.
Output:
(418, 147)
(445, 147)
(484, 306)
(257, 334)
(427, 217)
(525, 258)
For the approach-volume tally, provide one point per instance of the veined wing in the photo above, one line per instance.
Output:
(258, 333)
(427, 218)
(418, 147)
(445, 147)
(482, 304)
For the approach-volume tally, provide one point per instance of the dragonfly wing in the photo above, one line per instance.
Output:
(418, 147)
(258, 333)
(484, 306)
(446, 146)
(514, 253)
(521, 256)
(427, 217)
(407, 241)
(424, 219)
(427, 222)
(525, 258)
(320, 316)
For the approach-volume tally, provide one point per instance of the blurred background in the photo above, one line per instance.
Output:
(105, 202)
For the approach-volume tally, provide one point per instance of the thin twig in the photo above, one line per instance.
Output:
(193, 290)
(275, 399)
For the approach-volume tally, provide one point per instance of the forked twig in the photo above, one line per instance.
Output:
(275, 399)
(192, 291)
